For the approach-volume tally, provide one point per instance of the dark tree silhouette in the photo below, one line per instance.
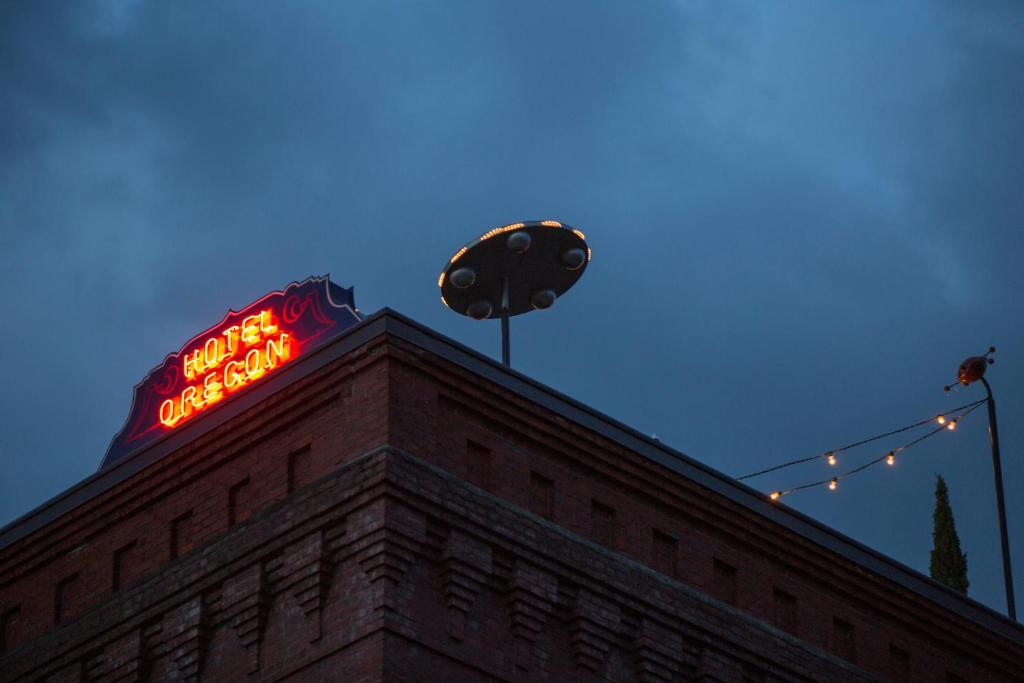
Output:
(949, 564)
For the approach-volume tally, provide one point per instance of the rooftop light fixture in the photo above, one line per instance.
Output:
(513, 269)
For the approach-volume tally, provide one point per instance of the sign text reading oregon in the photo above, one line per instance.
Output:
(226, 362)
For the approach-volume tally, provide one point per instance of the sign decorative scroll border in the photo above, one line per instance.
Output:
(310, 313)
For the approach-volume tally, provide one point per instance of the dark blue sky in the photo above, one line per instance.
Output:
(803, 216)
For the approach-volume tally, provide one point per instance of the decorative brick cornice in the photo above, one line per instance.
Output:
(465, 566)
(122, 661)
(244, 603)
(384, 556)
(595, 621)
(532, 594)
(659, 652)
(184, 636)
(307, 571)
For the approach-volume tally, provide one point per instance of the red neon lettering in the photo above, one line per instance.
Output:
(167, 412)
(277, 351)
(188, 399)
(253, 364)
(190, 364)
(267, 325)
(239, 369)
(251, 329)
(212, 388)
(232, 378)
(211, 352)
(231, 334)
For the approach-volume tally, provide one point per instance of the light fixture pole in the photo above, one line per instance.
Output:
(973, 369)
(506, 357)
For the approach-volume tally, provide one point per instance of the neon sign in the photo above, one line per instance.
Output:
(231, 356)
(226, 362)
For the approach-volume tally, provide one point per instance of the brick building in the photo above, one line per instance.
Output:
(396, 507)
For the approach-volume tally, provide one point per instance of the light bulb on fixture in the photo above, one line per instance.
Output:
(952, 424)
(831, 458)
(890, 459)
(832, 484)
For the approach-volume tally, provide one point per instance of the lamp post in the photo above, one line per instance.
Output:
(513, 270)
(971, 370)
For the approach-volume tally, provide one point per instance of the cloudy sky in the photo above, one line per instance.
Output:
(803, 216)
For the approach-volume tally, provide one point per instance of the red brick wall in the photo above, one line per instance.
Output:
(392, 570)
(391, 392)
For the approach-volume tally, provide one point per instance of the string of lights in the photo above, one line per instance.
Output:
(945, 424)
(831, 456)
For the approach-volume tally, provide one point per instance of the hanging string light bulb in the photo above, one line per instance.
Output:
(833, 460)
(946, 423)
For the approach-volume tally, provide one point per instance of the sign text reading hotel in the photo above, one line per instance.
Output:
(226, 362)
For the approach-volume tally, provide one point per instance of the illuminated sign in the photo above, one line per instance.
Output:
(226, 362)
(234, 354)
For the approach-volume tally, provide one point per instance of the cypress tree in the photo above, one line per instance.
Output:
(949, 564)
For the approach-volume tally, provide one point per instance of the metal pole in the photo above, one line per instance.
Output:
(504, 324)
(993, 436)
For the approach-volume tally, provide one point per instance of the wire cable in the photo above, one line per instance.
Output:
(832, 453)
(832, 481)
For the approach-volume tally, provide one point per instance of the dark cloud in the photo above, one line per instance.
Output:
(803, 218)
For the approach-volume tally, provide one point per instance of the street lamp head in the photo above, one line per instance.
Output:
(971, 370)
(538, 261)
(513, 269)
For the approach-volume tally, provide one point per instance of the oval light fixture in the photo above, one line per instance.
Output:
(513, 269)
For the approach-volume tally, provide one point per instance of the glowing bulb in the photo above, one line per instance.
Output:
(774, 495)
(832, 484)
(952, 424)
(890, 459)
(941, 419)
(831, 458)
